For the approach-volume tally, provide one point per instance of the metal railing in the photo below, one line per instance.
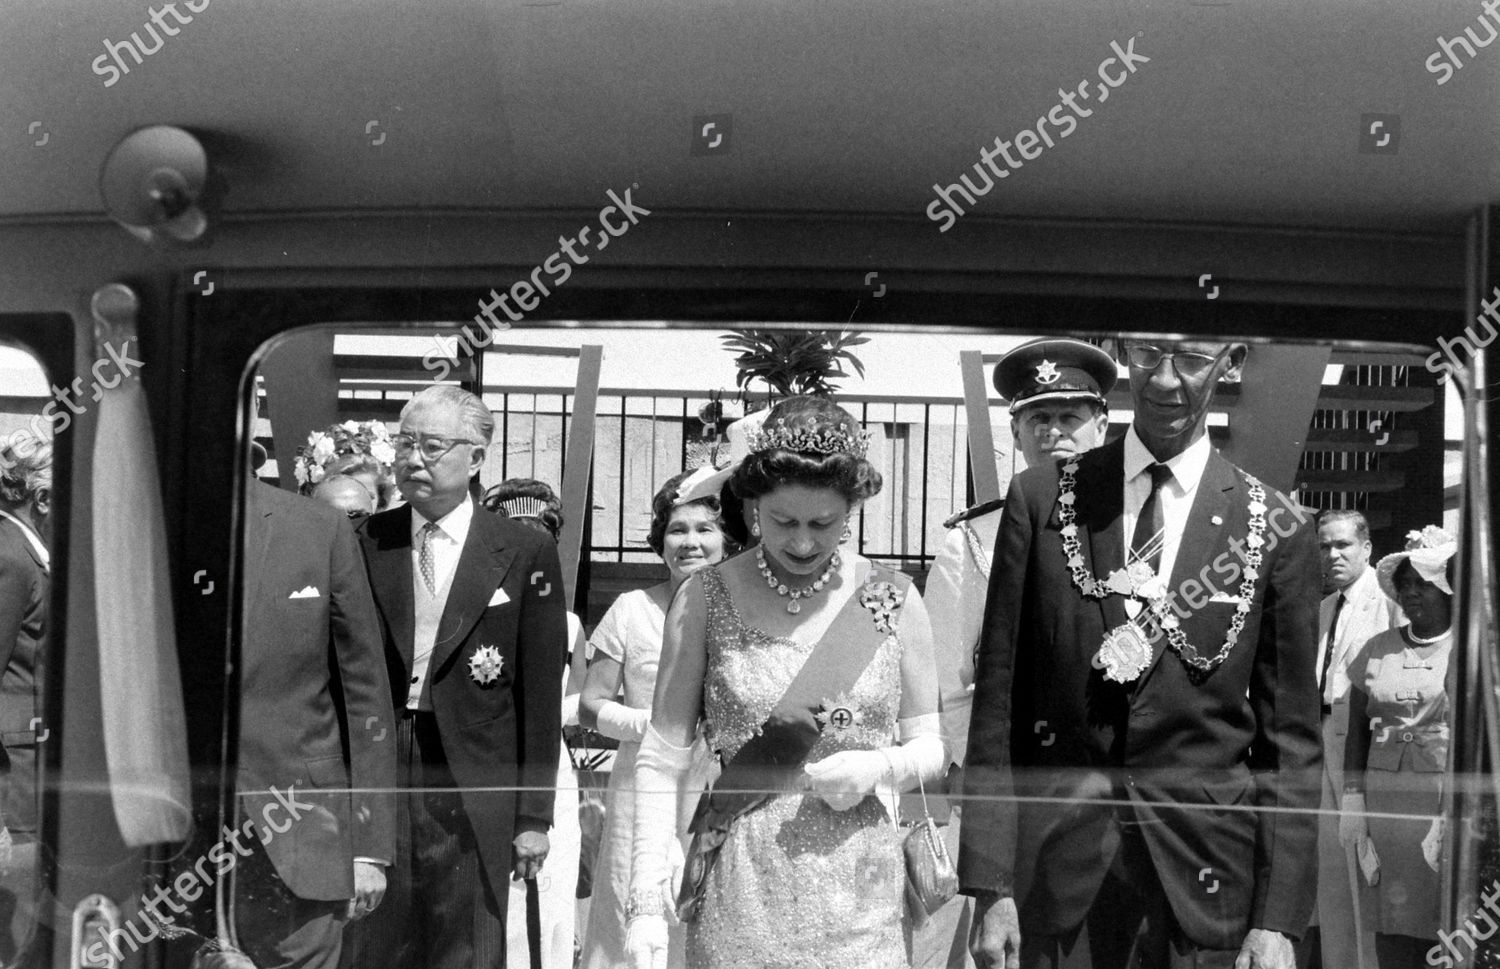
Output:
(642, 439)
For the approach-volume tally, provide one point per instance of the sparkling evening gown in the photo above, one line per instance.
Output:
(798, 884)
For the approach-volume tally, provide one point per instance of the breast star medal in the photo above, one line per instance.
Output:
(840, 713)
(485, 665)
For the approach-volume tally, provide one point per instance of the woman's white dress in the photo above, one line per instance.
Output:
(630, 634)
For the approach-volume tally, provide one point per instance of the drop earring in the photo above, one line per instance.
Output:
(848, 532)
(755, 523)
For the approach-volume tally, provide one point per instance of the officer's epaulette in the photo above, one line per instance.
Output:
(974, 511)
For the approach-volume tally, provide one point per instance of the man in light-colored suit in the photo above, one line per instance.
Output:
(1360, 611)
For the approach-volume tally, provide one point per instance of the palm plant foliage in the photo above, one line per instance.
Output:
(793, 362)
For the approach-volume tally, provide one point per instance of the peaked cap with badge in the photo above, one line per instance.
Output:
(1054, 368)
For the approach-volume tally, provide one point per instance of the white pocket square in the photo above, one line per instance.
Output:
(310, 592)
(1225, 597)
(498, 599)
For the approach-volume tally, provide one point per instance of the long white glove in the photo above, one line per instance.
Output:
(845, 778)
(659, 770)
(623, 723)
(1353, 829)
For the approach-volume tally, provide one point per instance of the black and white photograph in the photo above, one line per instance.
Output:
(750, 484)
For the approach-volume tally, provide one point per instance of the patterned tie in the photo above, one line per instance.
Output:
(1147, 542)
(425, 558)
(1333, 628)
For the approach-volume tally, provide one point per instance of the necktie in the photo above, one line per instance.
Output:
(1333, 628)
(426, 559)
(1146, 545)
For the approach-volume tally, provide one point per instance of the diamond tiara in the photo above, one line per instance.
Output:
(804, 441)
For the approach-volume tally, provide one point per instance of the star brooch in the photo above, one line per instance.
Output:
(840, 713)
(485, 665)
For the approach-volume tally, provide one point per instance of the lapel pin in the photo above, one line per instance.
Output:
(1216, 520)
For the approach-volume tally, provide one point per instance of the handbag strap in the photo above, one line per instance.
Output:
(921, 789)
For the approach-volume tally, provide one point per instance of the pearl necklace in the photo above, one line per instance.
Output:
(1419, 641)
(782, 589)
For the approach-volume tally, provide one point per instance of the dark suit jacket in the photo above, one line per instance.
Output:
(1191, 756)
(315, 706)
(24, 588)
(507, 733)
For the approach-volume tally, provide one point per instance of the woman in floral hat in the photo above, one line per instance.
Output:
(360, 450)
(1393, 771)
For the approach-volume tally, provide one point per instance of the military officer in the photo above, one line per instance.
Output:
(1057, 389)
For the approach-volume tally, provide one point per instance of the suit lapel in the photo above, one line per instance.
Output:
(482, 566)
(258, 526)
(1203, 532)
(1202, 540)
(390, 576)
(1099, 504)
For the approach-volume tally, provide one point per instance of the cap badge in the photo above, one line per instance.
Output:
(1046, 372)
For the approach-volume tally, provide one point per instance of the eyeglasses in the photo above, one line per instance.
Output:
(1144, 356)
(431, 448)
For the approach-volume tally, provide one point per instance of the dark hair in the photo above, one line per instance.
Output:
(664, 503)
(854, 478)
(1361, 524)
(549, 517)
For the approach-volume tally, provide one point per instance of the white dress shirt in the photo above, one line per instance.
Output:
(447, 545)
(1176, 497)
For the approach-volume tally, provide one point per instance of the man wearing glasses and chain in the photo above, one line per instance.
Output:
(473, 613)
(1141, 778)
(1057, 389)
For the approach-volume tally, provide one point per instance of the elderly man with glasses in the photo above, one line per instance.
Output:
(474, 618)
(1058, 389)
(1141, 782)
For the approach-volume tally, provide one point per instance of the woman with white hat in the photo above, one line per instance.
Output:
(1393, 771)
